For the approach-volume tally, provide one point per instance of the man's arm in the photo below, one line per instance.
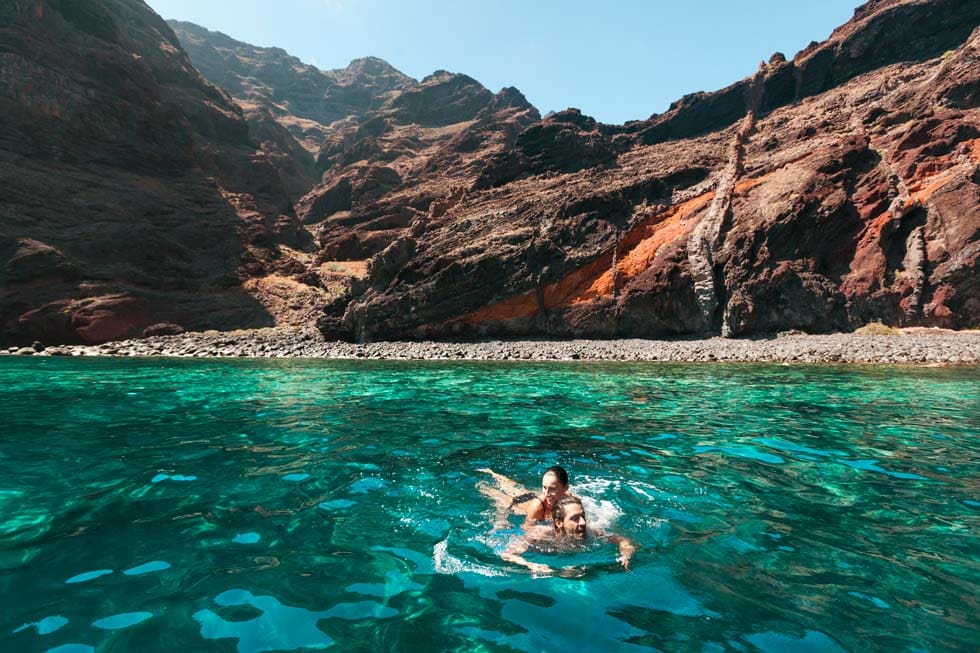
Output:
(626, 548)
(515, 553)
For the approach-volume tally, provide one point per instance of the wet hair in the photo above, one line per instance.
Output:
(559, 510)
(559, 473)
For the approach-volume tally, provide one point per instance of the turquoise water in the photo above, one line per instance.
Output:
(178, 505)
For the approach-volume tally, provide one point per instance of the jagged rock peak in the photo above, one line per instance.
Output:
(873, 6)
(510, 98)
(374, 66)
(573, 116)
(437, 75)
(446, 77)
(186, 30)
(289, 88)
(442, 98)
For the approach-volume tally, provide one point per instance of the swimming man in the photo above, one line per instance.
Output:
(570, 531)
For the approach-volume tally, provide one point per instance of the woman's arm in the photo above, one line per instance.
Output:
(514, 553)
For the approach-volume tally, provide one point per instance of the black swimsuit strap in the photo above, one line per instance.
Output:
(524, 498)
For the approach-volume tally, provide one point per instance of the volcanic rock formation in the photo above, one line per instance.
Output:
(130, 191)
(822, 192)
(819, 194)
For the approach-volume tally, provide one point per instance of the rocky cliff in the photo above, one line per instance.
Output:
(289, 105)
(822, 192)
(131, 193)
(382, 146)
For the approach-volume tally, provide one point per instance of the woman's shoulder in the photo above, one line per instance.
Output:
(535, 507)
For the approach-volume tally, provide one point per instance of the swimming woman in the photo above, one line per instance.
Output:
(509, 497)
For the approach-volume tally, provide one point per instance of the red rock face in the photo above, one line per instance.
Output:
(130, 193)
(821, 193)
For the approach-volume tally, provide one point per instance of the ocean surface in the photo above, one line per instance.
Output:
(223, 505)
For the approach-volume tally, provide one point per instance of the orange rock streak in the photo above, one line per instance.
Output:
(635, 253)
(924, 187)
(868, 258)
(640, 246)
(514, 308)
(637, 249)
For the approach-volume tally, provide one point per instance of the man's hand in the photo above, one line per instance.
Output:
(626, 550)
(537, 569)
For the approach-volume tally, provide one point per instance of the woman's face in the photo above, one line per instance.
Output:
(552, 489)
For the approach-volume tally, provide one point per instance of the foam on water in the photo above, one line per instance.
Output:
(445, 562)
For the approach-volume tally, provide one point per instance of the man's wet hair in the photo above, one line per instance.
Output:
(559, 473)
(559, 509)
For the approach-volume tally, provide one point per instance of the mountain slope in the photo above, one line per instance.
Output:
(131, 192)
(819, 194)
(825, 191)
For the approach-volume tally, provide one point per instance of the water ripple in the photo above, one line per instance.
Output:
(774, 508)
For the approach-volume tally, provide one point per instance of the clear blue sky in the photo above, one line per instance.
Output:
(616, 61)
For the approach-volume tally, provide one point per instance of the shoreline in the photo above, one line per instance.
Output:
(916, 346)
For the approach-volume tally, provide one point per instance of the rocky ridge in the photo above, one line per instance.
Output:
(389, 153)
(132, 193)
(304, 98)
(823, 192)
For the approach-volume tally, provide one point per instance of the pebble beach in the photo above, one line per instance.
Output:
(910, 346)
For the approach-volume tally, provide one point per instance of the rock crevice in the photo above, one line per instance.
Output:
(707, 235)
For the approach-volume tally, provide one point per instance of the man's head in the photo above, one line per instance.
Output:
(554, 485)
(570, 517)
